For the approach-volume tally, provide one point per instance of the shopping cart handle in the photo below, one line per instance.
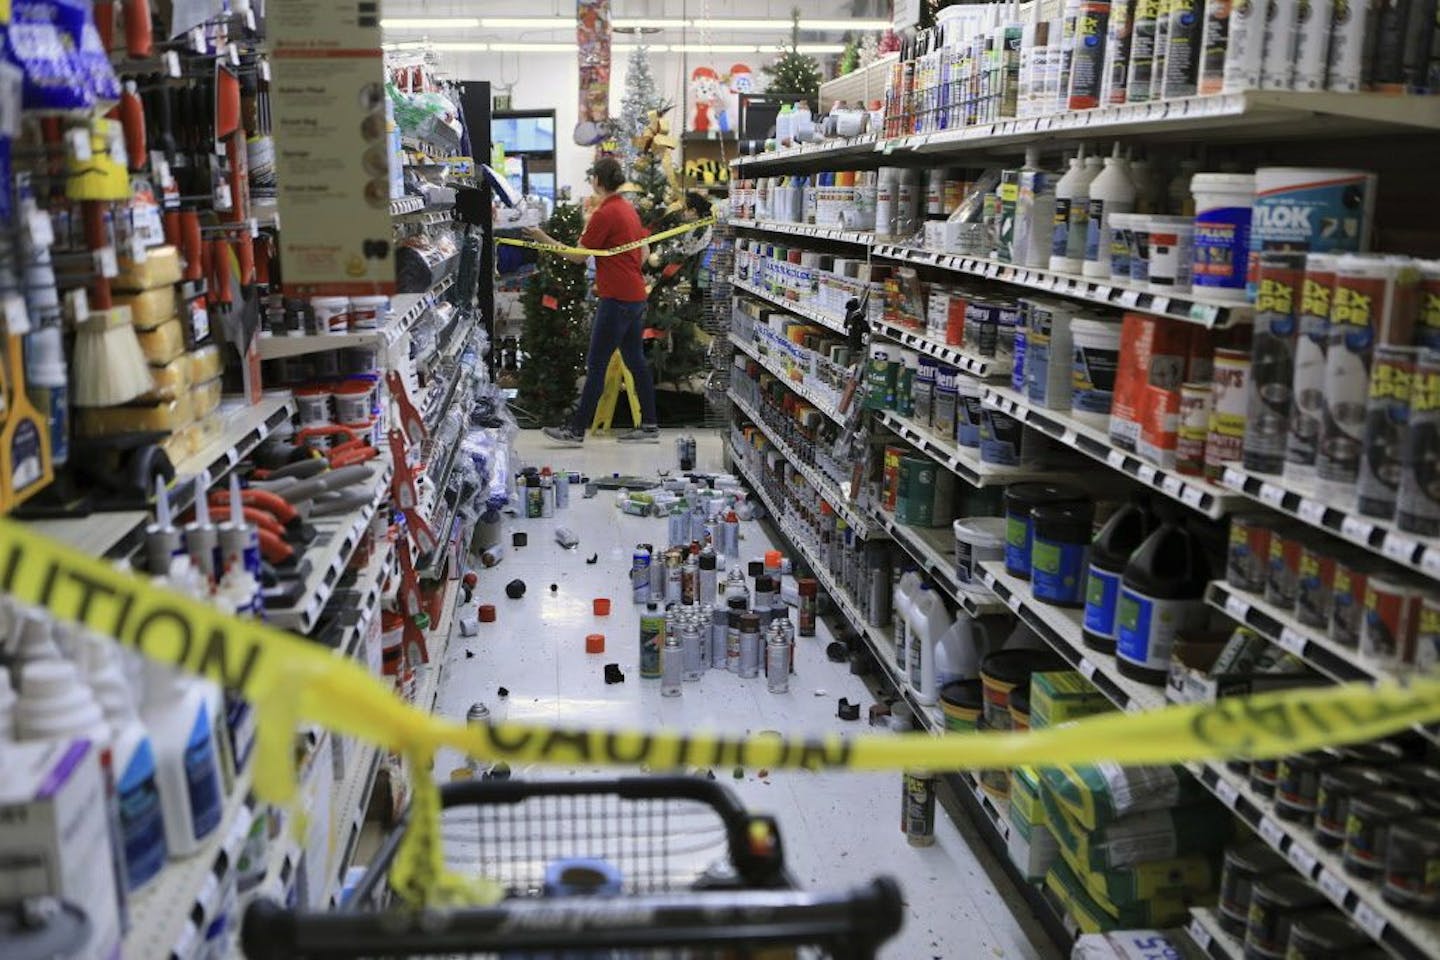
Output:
(851, 925)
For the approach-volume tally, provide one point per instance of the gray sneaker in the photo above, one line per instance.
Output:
(564, 436)
(641, 434)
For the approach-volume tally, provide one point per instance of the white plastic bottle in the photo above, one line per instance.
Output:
(1035, 216)
(929, 621)
(186, 764)
(1072, 213)
(1142, 176)
(34, 637)
(54, 703)
(7, 708)
(906, 589)
(1111, 192)
(132, 767)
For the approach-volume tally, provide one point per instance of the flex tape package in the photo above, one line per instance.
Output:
(611, 251)
(290, 681)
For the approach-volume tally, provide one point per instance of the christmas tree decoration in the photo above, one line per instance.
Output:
(557, 324)
(794, 74)
(641, 99)
(849, 57)
(869, 50)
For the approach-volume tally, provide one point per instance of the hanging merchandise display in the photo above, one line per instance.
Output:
(592, 41)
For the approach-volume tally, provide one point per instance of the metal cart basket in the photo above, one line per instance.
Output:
(615, 869)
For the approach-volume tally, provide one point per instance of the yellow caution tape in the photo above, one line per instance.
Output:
(290, 681)
(611, 251)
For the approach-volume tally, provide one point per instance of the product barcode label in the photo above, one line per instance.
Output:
(1171, 485)
(1312, 511)
(1145, 472)
(1236, 606)
(1292, 640)
(1398, 548)
(1115, 458)
(1234, 478)
(1087, 669)
(1227, 793)
(1272, 494)
(1431, 561)
(1271, 832)
(1160, 304)
(1369, 920)
(1104, 292)
(1193, 496)
(1130, 298)
(1333, 886)
(1199, 934)
(1303, 859)
(1357, 528)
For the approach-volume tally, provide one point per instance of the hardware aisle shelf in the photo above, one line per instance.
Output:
(370, 583)
(799, 387)
(862, 238)
(829, 321)
(1189, 307)
(1407, 934)
(1094, 442)
(336, 540)
(932, 550)
(427, 684)
(1252, 115)
(823, 485)
(959, 460)
(1379, 536)
(406, 309)
(1213, 939)
(168, 918)
(987, 820)
(117, 534)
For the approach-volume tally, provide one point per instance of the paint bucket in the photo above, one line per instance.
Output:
(943, 410)
(1272, 369)
(1137, 245)
(926, 492)
(1172, 242)
(1367, 829)
(1374, 304)
(1020, 500)
(1308, 208)
(1096, 355)
(1243, 866)
(1276, 902)
(1412, 865)
(1000, 673)
(1221, 249)
(1060, 552)
(977, 540)
(1307, 392)
(1392, 620)
(1224, 442)
(1049, 356)
(962, 702)
(1387, 416)
(1338, 787)
(1247, 558)
(1417, 508)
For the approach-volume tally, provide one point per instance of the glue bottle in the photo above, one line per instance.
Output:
(186, 759)
(1072, 214)
(1111, 192)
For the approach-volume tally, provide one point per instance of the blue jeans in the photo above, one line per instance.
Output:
(619, 324)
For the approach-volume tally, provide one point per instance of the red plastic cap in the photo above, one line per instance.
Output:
(487, 613)
(595, 643)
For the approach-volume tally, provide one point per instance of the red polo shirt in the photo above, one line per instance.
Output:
(613, 224)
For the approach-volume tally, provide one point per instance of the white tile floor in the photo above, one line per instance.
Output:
(838, 829)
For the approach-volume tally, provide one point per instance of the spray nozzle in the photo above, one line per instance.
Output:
(202, 498)
(162, 503)
(237, 504)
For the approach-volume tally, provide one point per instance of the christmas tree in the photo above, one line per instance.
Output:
(641, 96)
(557, 325)
(794, 74)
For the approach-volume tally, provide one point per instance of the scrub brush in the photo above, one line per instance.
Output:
(110, 367)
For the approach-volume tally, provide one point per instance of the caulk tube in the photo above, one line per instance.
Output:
(1312, 42)
(1214, 40)
(1245, 46)
(1351, 27)
(1068, 22)
(1183, 49)
(1142, 50)
(202, 539)
(1162, 49)
(162, 539)
(239, 541)
(1087, 60)
(1115, 79)
(1277, 65)
(1032, 42)
(1307, 393)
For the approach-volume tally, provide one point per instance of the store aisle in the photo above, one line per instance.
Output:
(838, 829)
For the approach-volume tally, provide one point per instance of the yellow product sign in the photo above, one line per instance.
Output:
(290, 681)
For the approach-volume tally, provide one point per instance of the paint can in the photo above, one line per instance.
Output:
(1243, 866)
(1282, 578)
(652, 635)
(748, 666)
(1183, 48)
(943, 412)
(1195, 410)
(918, 808)
(1315, 586)
(922, 391)
(1412, 865)
(969, 409)
(1050, 351)
(1172, 243)
(1060, 552)
(1272, 370)
(1310, 208)
(1307, 393)
(1373, 304)
(1339, 786)
(1096, 356)
(1225, 440)
(1020, 500)
(977, 540)
(1224, 205)
(1367, 829)
(1247, 558)
(1417, 508)
(1387, 416)
(1391, 621)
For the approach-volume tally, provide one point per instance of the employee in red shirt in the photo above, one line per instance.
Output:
(620, 317)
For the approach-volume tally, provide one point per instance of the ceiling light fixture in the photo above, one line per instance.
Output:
(461, 46)
(429, 23)
(654, 23)
(528, 23)
(777, 24)
(533, 47)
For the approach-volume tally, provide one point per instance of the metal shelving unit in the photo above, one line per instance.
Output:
(834, 323)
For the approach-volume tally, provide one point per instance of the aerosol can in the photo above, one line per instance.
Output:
(640, 574)
(777, 661)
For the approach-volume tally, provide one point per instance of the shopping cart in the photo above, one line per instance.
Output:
(596, 870)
